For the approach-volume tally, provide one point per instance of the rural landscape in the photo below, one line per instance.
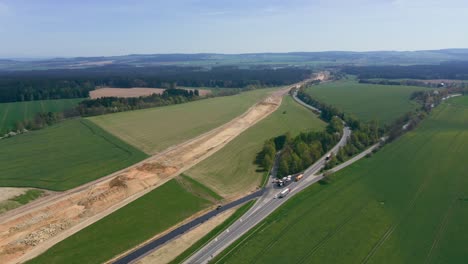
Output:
(193, 157)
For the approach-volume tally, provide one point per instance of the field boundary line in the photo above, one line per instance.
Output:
(5, 114)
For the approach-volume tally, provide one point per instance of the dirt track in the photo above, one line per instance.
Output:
(32, 229)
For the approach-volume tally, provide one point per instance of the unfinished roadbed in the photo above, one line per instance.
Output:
(32, 229)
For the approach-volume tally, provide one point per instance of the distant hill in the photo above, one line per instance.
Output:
(272, 59)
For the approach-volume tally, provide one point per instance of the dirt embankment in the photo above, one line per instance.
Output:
(322, 76)
(29, 231)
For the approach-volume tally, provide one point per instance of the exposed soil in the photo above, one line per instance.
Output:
(30, 230)
(131, 92)
(322, 76)
(7, 193)
(171, 250)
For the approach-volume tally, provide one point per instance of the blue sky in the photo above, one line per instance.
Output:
(33, 28)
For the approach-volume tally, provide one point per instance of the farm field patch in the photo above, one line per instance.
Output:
(133, 92)
(383, 103)
(231, 171)
(408, 203)
(10, 113)
(155, 129)
(63, 156)
(131, 225)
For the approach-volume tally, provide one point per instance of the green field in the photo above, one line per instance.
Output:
(156, 129)
(383, 103)
(10, 113)
(406, 204)
(231, 170)
(63, 156)
(133, 224)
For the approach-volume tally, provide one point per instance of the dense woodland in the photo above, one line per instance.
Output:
(61, 84)
(106, 105)
(448, 70)
(298, 153)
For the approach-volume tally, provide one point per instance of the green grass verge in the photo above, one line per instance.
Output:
(408, 203)
(156, 129)
(28, 196)
(10, 113)
(231, 170)
(383, 103)
(213, 233)
(128, 227)
(19, 200)
(200, 188)
(63, 156)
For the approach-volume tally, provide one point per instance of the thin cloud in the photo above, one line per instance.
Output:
(4, 9)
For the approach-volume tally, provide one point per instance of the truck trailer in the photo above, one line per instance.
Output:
(299, 177)
(283, 193)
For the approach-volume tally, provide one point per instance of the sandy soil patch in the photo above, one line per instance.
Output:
(30, 230)
(132, 92)
(322, 76)
(171, 250)
(124, 92)
(7, 193)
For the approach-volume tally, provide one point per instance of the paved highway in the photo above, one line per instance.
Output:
(144, 250)
(304, 104)
(264, 206)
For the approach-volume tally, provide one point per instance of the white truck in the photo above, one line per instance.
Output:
(284, 192)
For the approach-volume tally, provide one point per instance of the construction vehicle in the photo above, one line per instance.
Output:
(278, 182)
(299, 177)
(283, 193)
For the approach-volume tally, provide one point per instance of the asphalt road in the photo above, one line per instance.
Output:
(153, 244)
(264, 206)
(144, 250)
(304, 104)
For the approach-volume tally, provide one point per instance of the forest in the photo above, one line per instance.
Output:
(298, 153)
(446, 70)
(106, 105)
(76, 83)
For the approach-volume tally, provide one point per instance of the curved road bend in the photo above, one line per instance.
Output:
(267, 203)
(262, 208)
(153, 244)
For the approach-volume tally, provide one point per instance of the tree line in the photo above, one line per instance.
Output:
(40, 120)
(106, 105)
(447, 70)
(77, 83)
(442, 84)
(298, 153)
